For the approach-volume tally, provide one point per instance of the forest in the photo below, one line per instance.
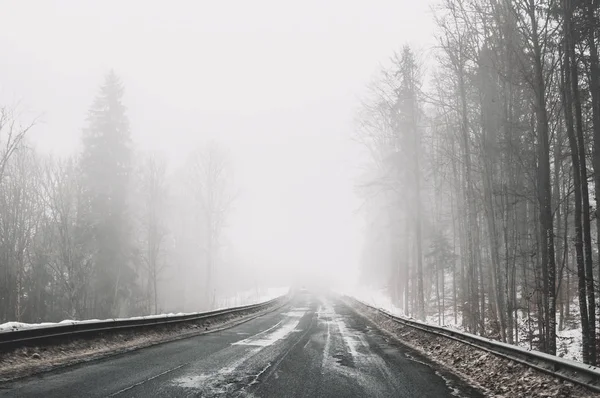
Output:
(478, 185)
(109, 231)
(480, 193)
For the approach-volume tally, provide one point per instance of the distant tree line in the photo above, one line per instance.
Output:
(481, 194)
(100, 233)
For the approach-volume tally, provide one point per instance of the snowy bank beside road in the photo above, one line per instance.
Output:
(249, 297)
(14, 326)
(569, 344)
(497, 376)
(48, 349)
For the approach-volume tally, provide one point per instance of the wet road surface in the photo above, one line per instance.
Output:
(310, 347)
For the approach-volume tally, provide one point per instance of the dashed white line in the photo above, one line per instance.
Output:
(144, 381)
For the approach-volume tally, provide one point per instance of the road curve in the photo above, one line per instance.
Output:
(311, 347)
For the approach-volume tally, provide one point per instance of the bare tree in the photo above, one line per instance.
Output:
(20, 214)
(12, 134)
(154, 202)
(210, 178)
(510, 138)
(68, 251)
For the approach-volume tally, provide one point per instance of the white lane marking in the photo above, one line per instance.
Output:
(295, 314)
(270, 336)
(327, 347)
(198, 380)
(255, 379)
(349, 338)
(269, 329)
(144, 381)
(268, 339)
(301, 309)
(347, 342)
(211, 381)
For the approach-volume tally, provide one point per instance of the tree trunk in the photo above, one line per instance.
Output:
(585, 198)
(548, 264)
(582, 287)
(592, 30)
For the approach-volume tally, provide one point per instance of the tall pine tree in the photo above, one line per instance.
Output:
(106, 166)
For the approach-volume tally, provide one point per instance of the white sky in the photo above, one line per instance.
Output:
(275, 81)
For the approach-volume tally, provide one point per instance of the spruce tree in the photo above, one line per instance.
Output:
(106, 165)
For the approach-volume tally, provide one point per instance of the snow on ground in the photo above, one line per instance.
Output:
(9, 326)
(240, 299)
(494, 376)
(13, 326)
(377, 298)
(569, 344)
(277, 332)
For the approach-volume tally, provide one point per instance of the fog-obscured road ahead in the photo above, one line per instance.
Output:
(311, 347)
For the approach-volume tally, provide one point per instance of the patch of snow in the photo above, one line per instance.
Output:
(351, 342)
(276, 333)
(195, 381)
(569, 344)
(296, 312)
(569, 341)
(12, 326)
(212, 383)
(378, 298)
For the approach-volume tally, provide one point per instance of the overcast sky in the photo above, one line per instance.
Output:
(275, 81)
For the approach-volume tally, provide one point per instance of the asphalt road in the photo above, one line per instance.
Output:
(311, 347)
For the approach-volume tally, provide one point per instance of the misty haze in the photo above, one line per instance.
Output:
(386, 198)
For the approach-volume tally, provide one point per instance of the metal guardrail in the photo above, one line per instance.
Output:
(45, 335)
(576, 372)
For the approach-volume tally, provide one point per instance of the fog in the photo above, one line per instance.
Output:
(436, 159)
(275, 84)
